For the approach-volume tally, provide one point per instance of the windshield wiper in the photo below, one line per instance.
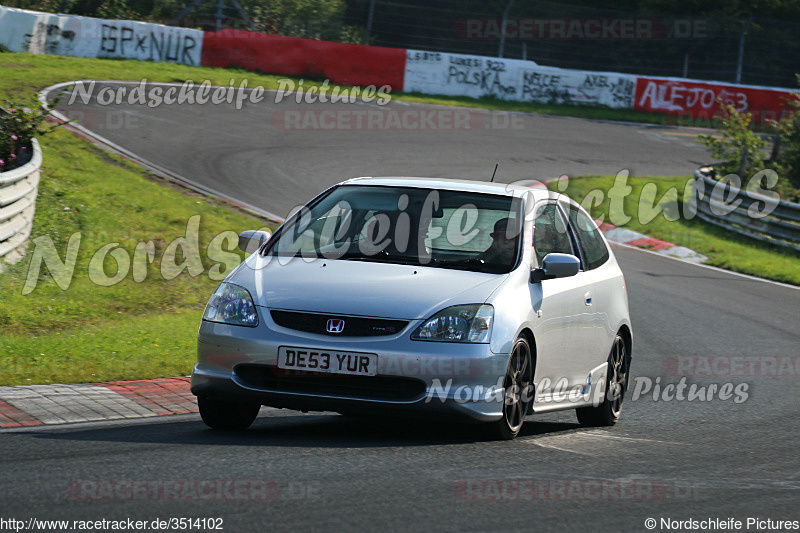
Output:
(473, 264)
(382, 256)
(470, 263)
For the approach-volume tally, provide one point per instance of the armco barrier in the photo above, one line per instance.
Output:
(721, 204)
(18, 189)
(349, 64)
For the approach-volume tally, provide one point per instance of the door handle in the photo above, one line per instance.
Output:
(587, 298)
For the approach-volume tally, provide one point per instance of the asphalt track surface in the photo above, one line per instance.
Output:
(690, 459)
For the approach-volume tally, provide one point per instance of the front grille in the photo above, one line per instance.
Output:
(353, 326)
(389, 388)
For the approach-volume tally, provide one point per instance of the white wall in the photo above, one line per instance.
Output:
(514, 79)
(69, 35)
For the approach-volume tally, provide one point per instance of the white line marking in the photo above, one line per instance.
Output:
(568, 450)
(739, 274)
(588, 443)
(607, 436)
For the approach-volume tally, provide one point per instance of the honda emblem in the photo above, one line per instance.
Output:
(335, 325)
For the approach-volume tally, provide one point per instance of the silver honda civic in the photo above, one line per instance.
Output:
(423, 297)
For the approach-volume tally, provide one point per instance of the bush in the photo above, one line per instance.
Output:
(18, 126)
(310, 19)
(739, 148)
(786, 154)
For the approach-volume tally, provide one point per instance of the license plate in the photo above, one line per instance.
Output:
(327, 361)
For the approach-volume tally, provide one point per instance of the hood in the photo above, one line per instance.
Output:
(361, 288)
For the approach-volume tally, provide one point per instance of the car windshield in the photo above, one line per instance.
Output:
(406, 225)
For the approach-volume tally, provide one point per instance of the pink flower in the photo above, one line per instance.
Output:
(2, 162)
(12, 157)
(14, 137)
(13, 110)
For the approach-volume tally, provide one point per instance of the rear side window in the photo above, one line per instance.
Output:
(591, 243)
(550, 234)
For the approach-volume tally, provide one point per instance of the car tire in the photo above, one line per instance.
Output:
(609, 411)
(227, 416)
(518, 395)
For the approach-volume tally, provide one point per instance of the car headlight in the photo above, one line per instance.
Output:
(231, 304)
(460, 323)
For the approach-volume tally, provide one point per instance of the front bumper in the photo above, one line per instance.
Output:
(414, 378)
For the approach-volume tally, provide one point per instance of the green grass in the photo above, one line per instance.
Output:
(723, 248)
(24, 74)
(153, 345)
(127, 330)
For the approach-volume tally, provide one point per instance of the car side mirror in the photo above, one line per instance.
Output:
(251, 240)
(556, 266)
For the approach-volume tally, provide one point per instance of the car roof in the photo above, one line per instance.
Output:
(505, 189)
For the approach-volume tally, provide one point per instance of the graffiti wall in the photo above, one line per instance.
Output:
(69, 35)
(513, 79)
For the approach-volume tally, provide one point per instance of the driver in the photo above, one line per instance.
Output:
(503, 247)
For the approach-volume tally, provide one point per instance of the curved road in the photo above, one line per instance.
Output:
(667, 459)
(276, 156)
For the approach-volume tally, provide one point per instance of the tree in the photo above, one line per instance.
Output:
(786, 153)
(311, 19)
